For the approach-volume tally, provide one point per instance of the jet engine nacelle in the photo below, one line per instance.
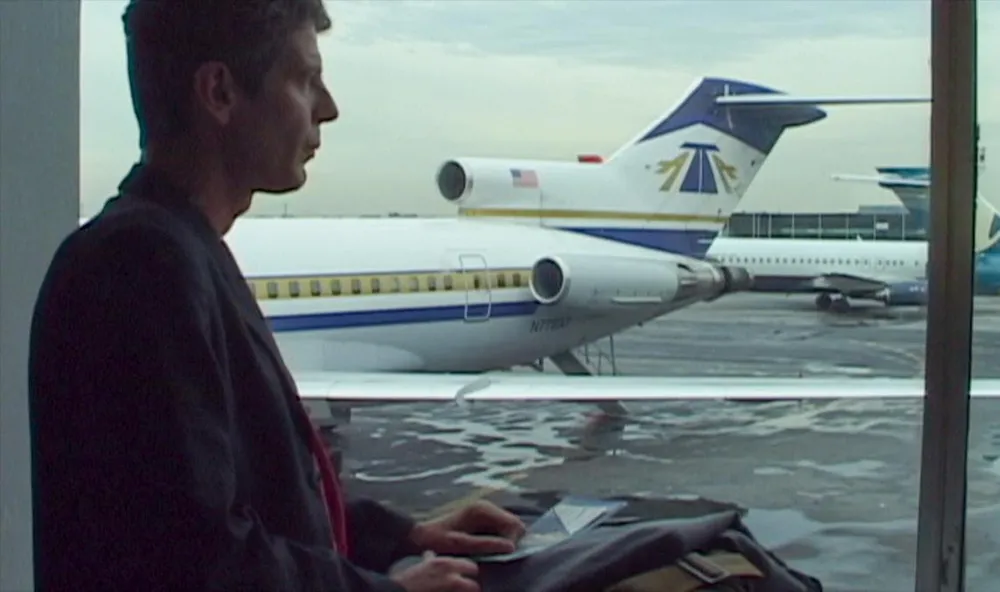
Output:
(608, 283)
(604, 283)
(734, 279)
(464, 180)
(904, 294)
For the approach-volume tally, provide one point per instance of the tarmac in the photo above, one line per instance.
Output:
(831, 487)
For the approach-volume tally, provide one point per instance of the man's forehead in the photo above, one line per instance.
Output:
(303, 47)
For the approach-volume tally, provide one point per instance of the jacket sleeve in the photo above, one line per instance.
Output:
(378, 535)
(150, 500)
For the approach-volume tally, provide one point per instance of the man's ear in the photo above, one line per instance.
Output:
(215, 91)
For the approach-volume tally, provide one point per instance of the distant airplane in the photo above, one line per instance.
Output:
(891, 272)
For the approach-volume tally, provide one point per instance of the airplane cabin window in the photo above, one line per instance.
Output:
(315, 288)
(431, 283)
(413, 285)
(394, 285)
(517, 280)
(376, 286)
(335, 287)
(448, 282)
(272, 289)
(355, 286)
(293, 288)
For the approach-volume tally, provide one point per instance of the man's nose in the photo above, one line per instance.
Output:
(327, 109)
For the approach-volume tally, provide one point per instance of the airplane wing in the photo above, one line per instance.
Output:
(384, 387)
(848, 284)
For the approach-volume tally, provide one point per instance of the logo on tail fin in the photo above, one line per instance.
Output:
(700, 176)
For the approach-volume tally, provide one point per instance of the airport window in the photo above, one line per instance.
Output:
(792, 457)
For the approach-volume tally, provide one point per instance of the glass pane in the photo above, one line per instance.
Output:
(984, 447)
(830, 485)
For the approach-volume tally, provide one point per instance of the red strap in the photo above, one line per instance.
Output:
(331, 490)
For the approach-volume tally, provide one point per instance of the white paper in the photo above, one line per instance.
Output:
(567, 518)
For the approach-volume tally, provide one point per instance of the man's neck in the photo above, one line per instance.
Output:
(205, 179)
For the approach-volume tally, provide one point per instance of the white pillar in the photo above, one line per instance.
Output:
(39, 205)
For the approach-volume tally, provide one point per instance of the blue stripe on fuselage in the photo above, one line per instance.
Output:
(397, 316)
(691, 243)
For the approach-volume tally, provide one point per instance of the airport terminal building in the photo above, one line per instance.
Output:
(868, 223)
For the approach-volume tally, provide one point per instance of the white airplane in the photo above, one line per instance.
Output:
(891, 272)
(675, 186)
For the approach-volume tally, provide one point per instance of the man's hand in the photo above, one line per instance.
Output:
(439, 574)
(481, 528)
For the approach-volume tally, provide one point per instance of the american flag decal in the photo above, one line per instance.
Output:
(524, 178)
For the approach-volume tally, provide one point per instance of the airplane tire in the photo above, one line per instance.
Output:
(823, 301)
(841, 305)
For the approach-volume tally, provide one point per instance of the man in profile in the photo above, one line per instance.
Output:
(172, 451)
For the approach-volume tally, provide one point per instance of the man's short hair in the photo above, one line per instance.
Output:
(167, 40)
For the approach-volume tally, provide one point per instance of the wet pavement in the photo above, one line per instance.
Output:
(832, 486)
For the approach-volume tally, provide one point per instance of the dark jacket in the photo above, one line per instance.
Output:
(168, 455)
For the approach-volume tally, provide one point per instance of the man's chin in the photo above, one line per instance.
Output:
(286, 185)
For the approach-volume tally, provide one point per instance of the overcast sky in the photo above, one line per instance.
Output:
(420, 81)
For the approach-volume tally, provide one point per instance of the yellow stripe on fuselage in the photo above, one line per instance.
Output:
(353, 285)
(588, 215)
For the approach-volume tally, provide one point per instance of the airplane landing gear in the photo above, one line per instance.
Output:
(834, 303)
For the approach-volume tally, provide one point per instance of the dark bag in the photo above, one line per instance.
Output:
(699, 551)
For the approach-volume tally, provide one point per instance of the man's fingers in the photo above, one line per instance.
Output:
(457, 565)
(481, 544)
(507, 524)
(458, 583)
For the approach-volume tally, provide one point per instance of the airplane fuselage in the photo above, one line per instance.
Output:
(781, 265)
(446, 294)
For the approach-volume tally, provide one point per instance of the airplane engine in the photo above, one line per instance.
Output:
(459, 180)
(904, 294)
(598, 283)
(734, 279)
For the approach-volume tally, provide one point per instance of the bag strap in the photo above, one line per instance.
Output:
(692, 572)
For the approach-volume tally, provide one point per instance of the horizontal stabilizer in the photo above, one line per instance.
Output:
(768, 100)
(887, 181)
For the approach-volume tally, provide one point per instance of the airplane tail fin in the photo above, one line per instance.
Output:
(987, 227)
(672, 187)
(912, 186)
(691, 167)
